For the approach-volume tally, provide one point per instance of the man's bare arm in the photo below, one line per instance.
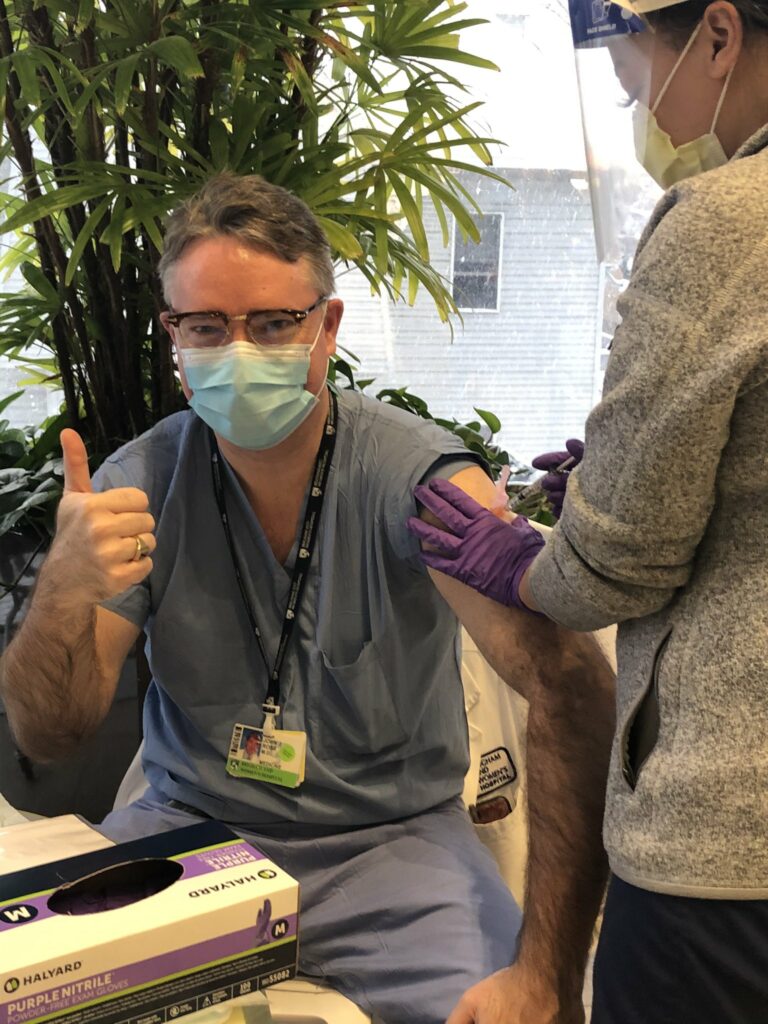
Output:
(58, 676)
(570, 690)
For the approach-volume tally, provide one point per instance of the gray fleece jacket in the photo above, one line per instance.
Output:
(665, 531)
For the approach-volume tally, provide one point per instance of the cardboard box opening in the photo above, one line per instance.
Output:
(118, 886)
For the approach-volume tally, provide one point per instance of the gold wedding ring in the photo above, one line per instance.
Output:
(142, 549)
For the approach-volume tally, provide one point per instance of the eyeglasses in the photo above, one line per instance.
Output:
(266, 327)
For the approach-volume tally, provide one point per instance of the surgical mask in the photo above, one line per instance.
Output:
(254, 397)
(666, 163)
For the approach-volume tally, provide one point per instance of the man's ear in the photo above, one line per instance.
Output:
(170, 330)
(178, 364)
(334, 311)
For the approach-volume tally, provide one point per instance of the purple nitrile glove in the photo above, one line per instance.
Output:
(481, 550)
(554, 484)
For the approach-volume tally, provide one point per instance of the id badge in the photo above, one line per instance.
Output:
(275, 756)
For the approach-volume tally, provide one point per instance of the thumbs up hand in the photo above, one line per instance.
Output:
(77, 476)
(103, 541)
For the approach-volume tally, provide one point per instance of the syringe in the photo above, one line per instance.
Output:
(535, 488)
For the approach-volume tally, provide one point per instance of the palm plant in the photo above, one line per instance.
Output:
(115, 110)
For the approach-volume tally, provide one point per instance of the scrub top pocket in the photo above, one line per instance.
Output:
(355, 710)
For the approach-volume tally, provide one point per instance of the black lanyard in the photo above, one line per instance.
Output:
(307, 540)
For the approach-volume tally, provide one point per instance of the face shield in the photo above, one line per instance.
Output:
(614, 47)
(625, 68)
(641, 7)
(614, 63)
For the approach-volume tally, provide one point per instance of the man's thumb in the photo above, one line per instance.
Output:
(77, 476)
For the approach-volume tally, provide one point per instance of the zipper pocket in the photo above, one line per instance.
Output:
(642, 730)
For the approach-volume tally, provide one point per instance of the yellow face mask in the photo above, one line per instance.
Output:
(666, 163)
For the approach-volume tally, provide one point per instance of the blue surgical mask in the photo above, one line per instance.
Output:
(254, 397)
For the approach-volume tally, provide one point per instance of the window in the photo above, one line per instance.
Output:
(529, 350)
(477, 267)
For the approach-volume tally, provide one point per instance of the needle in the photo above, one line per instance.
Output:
(535, 488)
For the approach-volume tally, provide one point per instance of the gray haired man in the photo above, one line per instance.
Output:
(259, 541)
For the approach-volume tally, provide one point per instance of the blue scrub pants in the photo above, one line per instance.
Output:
(402, 918)
(677, 960)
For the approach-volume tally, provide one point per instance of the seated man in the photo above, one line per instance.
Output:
(260, 542)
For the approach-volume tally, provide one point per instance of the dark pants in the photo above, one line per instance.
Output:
(675, 960)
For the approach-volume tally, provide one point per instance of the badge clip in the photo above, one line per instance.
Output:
(271, 711)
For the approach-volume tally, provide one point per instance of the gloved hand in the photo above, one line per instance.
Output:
(481, 550)
(263, 935)
(554, 484)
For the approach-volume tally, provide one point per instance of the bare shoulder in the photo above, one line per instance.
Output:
(474, 482)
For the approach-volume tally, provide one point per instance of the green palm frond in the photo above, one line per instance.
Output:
(118, 109)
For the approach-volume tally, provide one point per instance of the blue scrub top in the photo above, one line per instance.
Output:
(372, 671)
